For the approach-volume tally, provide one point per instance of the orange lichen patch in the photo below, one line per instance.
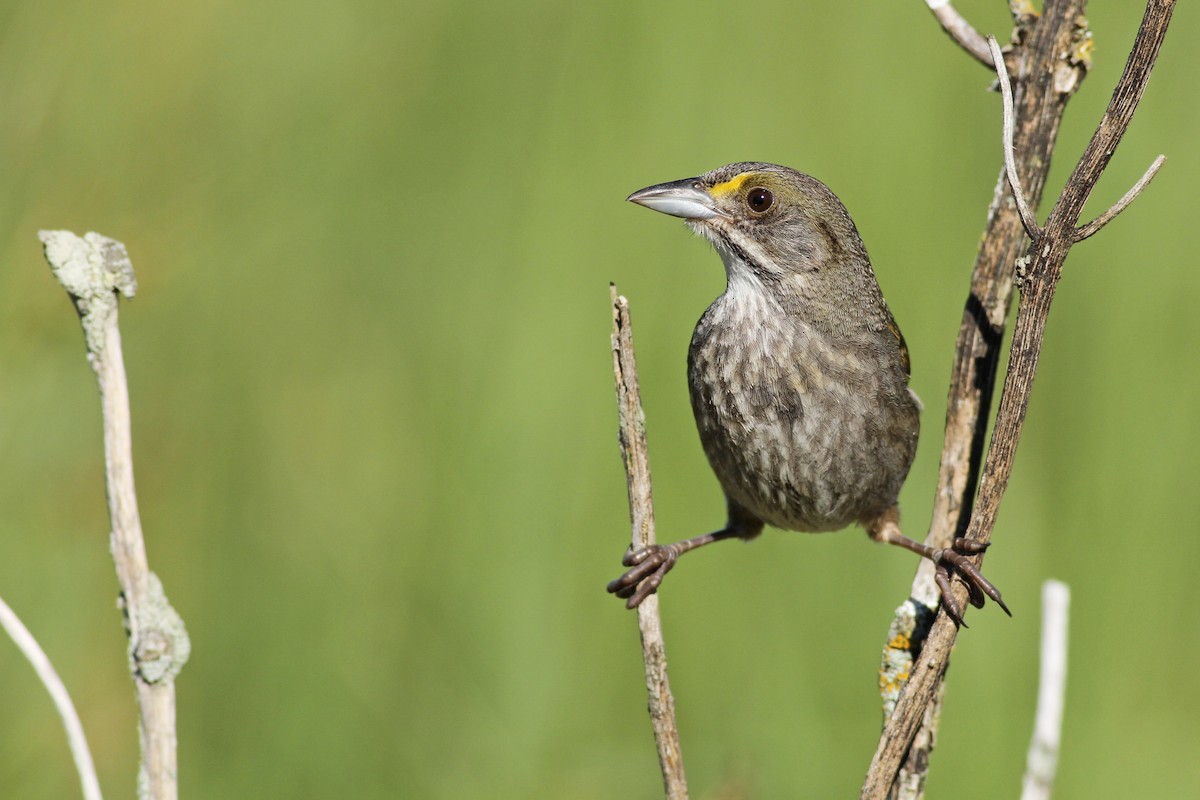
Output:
(891, 684)
(731, 186)
(900, 642)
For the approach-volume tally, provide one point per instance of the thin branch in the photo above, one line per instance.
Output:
(1043, 270)
(1093, 227)
(1042, 761)
(960, 30)
(58, 693)
(634, 452)
(95, 270)
(1028, 218)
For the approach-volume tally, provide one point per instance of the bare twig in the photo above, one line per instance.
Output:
(960, 30)
(94, 270)
(1028, 219)
(1084, 231)
(1042, 272)
(1042, 761)
(58, 693)
(641, 513)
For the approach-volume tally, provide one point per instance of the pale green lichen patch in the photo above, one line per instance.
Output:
(162, 646)
(93, 269)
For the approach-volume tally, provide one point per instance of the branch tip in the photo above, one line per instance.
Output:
(961, 31)
(1093, 227)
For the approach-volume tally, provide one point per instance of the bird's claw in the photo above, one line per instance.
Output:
(954, 561)
(648, 567)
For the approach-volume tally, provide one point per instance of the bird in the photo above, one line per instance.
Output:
(798, 375)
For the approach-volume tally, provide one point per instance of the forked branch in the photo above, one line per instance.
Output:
(1084, 231)
(1010, 164)
(1046, 263)
(1042, 270)
(1040, 49)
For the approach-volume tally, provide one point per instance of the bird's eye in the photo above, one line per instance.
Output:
(759, 199)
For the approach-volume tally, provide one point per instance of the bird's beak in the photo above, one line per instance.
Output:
(684, 198)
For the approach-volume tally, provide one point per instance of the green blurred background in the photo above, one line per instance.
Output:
(374, 424)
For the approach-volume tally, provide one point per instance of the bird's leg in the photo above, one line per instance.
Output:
(649, 565)
(886, 528)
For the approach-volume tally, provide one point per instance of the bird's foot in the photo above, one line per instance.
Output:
(950, 562)
(649, 565)
(954, 561)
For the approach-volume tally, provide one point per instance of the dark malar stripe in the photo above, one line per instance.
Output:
(764, 274)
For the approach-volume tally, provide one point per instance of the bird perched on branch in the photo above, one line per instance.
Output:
(798, 374)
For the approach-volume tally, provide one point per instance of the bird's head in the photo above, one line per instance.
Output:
(770, 223)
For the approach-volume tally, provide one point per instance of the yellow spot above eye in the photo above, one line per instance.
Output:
(731, 186)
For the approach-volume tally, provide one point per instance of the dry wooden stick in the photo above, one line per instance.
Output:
(95, 270)
(636, 456)
(1041, 272)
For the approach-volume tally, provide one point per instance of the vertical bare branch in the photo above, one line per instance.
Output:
(1042, 761)
(58, 693)
(1048, 51)
(636, 456)
(95, 270)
